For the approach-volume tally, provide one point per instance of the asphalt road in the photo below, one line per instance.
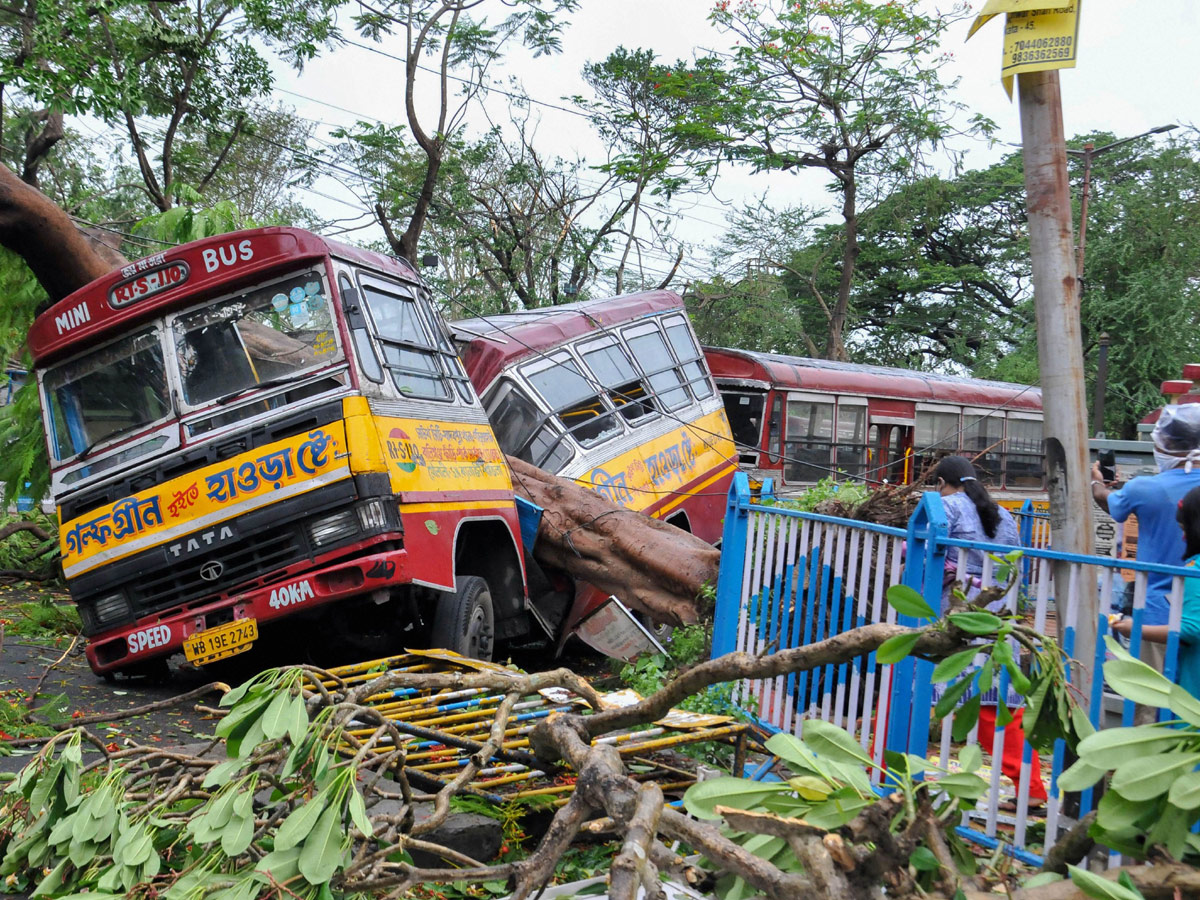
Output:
(71, 690)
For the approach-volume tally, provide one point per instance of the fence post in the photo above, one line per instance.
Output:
(924, 565)
(733, 564)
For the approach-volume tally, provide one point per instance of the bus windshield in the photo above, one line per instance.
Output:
(266, 334)
(114, 390)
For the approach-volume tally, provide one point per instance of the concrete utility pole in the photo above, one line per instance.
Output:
(1060, 347)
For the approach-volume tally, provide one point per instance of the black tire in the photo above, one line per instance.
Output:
(464, 621)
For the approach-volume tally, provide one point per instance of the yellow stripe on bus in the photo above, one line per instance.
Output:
(667, 507)
(449, 505)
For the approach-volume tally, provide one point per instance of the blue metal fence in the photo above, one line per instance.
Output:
(789, 578)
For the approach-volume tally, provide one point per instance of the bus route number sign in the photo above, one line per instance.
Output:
(147, 284)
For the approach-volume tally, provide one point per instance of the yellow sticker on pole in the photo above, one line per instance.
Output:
(1038, 35)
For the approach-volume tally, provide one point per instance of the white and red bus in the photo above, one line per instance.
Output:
(614, 394)
(799, 420)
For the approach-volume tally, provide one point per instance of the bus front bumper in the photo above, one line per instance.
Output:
(160, 635)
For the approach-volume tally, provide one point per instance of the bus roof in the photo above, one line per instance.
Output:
(493, 343)
(149, 287)
(800, 373)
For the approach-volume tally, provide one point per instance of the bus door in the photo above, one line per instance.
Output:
(890, 439)
(745, 409)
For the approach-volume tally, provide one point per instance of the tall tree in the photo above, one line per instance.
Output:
(634, 118)
(852, 88)
(445, 43)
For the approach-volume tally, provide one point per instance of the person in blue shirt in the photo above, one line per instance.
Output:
(1188, 668)
(1154, 499)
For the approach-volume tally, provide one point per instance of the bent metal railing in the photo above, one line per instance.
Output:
(790, 578)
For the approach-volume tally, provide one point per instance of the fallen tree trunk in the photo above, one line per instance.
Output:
(652, 567)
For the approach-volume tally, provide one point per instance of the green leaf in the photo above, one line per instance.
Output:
(358, 813)
(323, 848)
(737, 793)
(964, 785)
(1080, 776)
(278, 716)
(220, 773)
(300, 822)
(830, 742)
(1138, 682)
(970, 758)
(1144, 779)
(951, 697)
(298, 726)
(923, 860)
(1113, 747)
(1099, 887)
(1184, 705)
(238, 834)
(281, 865)
(909, 602)
(792, 751)
(965, 718)
(953, 665)
(1185, 791)
(976, 622)
(1116, 813)
(896, 648)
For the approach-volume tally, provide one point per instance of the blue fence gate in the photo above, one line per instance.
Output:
(789, 579)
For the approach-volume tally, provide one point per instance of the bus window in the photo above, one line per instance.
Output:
(523, 431)
(983, 439)
(118, 389)
(368, 361)
(745, 412)
(611, 367)
(576, 403)
(936, 436)
(409, 352)
(1023, 458)
(689, 357)
(650, 350)
(850, 455)
(809, 440)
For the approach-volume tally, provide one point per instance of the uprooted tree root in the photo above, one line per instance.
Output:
(864, 858)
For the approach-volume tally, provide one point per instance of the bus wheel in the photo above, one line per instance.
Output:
(464, 621)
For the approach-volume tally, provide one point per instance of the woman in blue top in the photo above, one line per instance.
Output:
(972, 515)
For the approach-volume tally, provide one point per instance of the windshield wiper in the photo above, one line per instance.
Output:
(262, 385)
(112, 435)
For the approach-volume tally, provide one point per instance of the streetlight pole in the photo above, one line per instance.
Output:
(1088, 153)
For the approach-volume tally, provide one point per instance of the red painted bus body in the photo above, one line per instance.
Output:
(267, 426)
(799, 420)
(614, 394)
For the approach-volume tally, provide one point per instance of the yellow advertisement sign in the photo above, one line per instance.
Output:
(1038, 35)
(653, 471)
(204, 498)
(427, 456)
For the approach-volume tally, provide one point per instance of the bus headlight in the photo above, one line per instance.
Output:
(335, 527)
(110, 609)
(372, 516)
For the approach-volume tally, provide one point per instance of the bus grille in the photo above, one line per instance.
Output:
(246, 563)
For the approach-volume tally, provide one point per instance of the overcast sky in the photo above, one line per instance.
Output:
(1138, 68)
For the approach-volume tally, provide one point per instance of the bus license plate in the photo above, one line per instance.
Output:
(224, 640)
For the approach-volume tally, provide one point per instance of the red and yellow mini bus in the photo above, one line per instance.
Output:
(614, 394)
(799, 420)
(268, 426)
